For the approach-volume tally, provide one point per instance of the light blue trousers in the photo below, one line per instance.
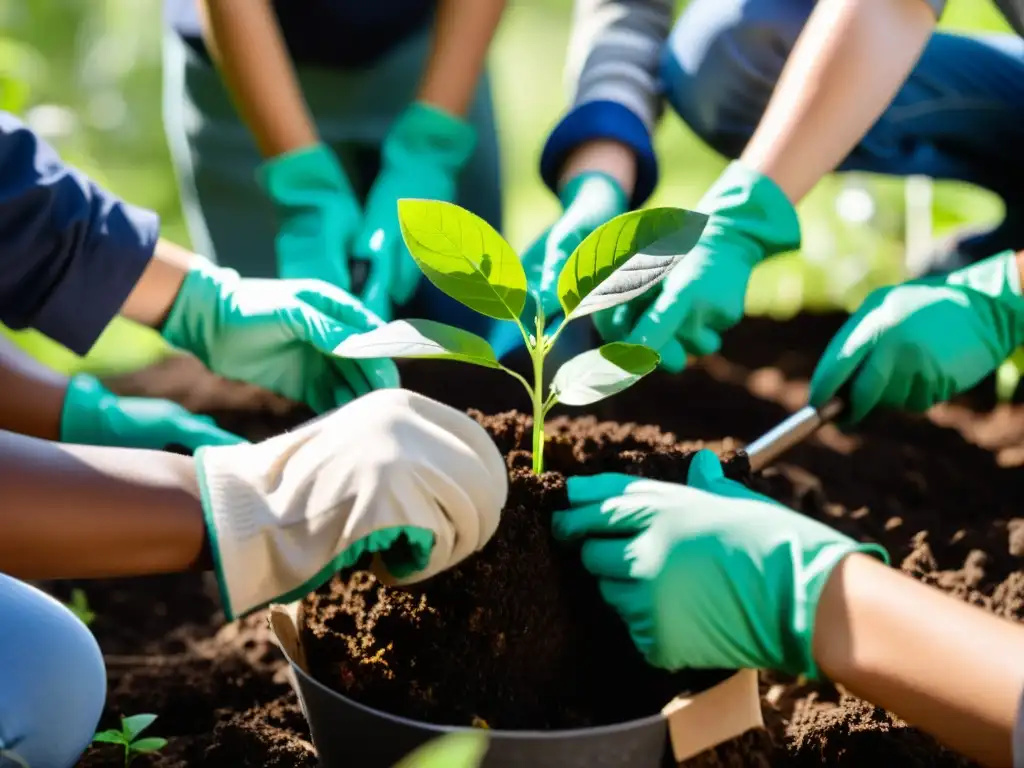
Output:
(958, 116)
(52, 680)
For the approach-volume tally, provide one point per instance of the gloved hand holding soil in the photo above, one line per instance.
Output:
(707, 574)
(393, 473)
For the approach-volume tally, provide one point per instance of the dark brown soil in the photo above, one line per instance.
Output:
(940, 492)
(518, 635)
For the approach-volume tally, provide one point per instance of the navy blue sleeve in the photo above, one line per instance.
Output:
(70, 252)
(602, 120)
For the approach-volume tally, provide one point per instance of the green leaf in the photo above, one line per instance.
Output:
(600, 373)
(136, 724)
(79, 605)
(463, 749)
(419, 339)
(464, 256)
(109, 737)
(152, 744)
(621, 259)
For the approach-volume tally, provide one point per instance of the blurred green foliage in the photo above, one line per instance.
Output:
(87, 73)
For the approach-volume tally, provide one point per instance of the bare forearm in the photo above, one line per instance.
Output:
(82, 512)
(940, 664)
(153, 296)
(462, 34)
(604, 155)
(847, 65)
(244, 38)
(33, 395)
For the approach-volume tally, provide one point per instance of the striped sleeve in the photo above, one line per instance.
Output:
(612, 73)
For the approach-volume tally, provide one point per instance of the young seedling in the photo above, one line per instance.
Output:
(79, 605)
(466, 258)
(127, 737)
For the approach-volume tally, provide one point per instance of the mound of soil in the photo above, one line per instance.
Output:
(517, 635)
(940, 492)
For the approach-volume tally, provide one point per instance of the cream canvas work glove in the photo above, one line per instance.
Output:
(394, 473)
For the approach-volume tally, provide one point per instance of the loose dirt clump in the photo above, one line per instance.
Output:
(941, 492)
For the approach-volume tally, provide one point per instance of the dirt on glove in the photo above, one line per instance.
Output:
(940, 492)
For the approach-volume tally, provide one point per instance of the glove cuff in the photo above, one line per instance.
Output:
(237, 518)
(426, 134)
(302, 177)
(808, 584)
(83, 420)
(194, 318)
(746, 202)
(606, 192)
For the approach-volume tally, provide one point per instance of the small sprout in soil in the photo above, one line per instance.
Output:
(466, 258)
(79, 605)
(127, 737)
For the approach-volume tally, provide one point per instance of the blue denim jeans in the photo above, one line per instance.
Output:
(52, 680)
(959, 116)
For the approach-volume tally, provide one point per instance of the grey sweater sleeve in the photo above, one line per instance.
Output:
(613, 53)
(612, 78)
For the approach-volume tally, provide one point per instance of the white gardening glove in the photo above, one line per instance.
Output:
(392, 472)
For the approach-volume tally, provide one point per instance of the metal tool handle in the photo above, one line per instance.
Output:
(793, 430)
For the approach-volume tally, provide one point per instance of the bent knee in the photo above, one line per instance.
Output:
(54, 681)
(720, 64)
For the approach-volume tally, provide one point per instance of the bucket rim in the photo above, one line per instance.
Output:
(533, 735)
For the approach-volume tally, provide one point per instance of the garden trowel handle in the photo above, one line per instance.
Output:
(793, 430)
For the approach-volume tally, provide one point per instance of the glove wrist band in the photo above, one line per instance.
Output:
(616, 199)
(82, 417)
(192, 321)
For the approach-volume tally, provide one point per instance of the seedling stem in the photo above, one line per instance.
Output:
(467, 259)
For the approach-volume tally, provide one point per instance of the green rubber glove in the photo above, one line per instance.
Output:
(317, 211)
(750, 220)
(588, 201)
(93, 415)
(421, 158)
(706, 575)
(914, 345)
(276, 334)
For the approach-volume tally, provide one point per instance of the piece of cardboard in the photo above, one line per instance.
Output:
(695, 723)
(712, 717)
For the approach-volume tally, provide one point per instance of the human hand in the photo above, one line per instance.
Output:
(588, 201)
(750, 219)
(914, 345)
(421, 158)
(284, 515)
(318, 214)
(93, 415)
(706, 575)
(276, 334)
